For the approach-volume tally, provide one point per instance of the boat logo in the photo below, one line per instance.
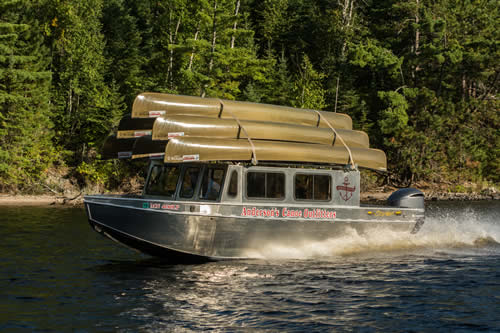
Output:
(345, 191)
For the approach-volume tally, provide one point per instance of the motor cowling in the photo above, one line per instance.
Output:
(406, 198)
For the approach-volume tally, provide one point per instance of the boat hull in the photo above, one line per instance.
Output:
(193, 232)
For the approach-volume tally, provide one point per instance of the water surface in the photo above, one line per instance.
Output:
(59, 275)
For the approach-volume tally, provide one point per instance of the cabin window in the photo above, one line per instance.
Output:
(313, 187)
(211, 183)
(265, 185)
(163, 180)
(233, 185)
(189, 182)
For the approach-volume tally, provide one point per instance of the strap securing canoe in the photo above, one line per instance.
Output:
(241, 127)
(351, 159)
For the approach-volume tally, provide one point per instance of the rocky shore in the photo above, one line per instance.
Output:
(40, 200)
(489, 194)
(379, 196)
(433, 194)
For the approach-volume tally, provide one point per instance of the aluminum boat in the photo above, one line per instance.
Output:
(232, 188)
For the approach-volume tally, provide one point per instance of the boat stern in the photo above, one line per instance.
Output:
(409, 198)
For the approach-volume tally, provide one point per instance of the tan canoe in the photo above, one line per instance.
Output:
(134, 128)
(172, 126)
(152, 105)
(184, 149)
(144, 147)
(117, 148)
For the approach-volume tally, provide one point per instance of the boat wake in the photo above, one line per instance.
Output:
(452, 230)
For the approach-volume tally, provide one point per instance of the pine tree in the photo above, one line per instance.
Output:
(171, 17)
(448, 63)
(217, 54)
(279, 88)
(125, 60)
(85, 106)
(272, 22)
(26, 149)
(308, 87)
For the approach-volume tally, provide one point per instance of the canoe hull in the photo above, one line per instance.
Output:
(165, 128)
(153, 105)
(181, 149)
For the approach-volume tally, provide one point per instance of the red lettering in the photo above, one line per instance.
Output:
(291, 213)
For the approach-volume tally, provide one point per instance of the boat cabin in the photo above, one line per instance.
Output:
(259, 185)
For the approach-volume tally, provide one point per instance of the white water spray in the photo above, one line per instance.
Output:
(445, 229)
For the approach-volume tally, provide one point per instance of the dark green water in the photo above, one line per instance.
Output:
(56, 274)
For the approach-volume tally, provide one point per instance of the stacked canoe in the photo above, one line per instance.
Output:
(186, 128)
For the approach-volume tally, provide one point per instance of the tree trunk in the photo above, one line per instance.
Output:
(214, 37)
(235, 22)
(417, 31)
(212, 51)
(172, 40)
(416, 46)
(337, 93)
(70, 101)
(347, 18)
(192, 52)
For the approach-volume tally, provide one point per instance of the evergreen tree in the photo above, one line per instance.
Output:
(279, 88)
(272, 22)
(170, 20)
(232, 57)
(123, 54)
(308, 87)
(221, 59)
(421, 77)
(26, 149)
(85, 106)
(440, 86)
(193, 48)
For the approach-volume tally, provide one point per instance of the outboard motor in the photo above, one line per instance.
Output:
(408, 198)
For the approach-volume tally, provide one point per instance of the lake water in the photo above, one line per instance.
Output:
(56, 274)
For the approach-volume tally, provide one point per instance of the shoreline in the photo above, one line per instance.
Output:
(38, 201)
(378, 196)
(370, 196)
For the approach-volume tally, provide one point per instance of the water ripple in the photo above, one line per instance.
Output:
(58, 275)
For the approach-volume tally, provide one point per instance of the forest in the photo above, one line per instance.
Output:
(421, 77)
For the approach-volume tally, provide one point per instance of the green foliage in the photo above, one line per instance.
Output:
(123, 52)
(308, 87)
(106, 174)
(393, 119)
(420, 77)
(97, 172)
(26, 150)
(85, 106)
(369, 54)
